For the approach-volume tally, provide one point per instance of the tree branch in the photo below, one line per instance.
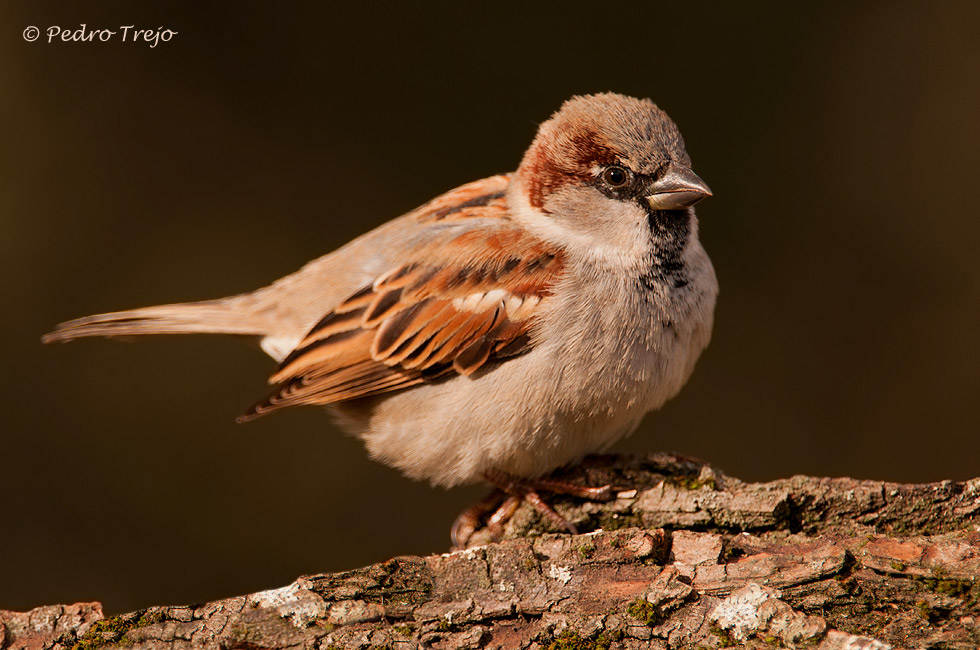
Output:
(684, 557)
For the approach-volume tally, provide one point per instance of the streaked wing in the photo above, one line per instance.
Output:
(467, 297)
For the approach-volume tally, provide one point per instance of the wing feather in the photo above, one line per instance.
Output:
(467, 296)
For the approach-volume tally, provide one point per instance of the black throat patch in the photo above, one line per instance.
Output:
(670, 231)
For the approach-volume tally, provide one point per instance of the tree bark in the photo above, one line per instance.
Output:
(683, 557)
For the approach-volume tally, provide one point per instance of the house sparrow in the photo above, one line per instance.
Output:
(503, 329)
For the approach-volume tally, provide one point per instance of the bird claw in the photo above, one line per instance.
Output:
(507, 498)
(468, 520)
(496, 522)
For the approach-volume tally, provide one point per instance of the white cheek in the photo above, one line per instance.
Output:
(587, 223)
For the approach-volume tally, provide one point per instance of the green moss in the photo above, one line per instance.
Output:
(572, 640)
(113, 630)
(693, 482)
(646, 612)
(898, 566)
(586, 550)
(923, 610)
(940, 583)
(725, 638)
(954, 588)
(444, 625)
(105, 632)
(615, 542)
(404, 630)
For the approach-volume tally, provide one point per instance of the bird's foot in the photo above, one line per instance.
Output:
(468, 520)
(507, 498)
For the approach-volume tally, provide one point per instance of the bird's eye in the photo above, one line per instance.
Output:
(615, 176)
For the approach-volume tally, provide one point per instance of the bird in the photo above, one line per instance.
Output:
(504, 329)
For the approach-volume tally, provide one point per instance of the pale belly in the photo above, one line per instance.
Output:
(577, 394)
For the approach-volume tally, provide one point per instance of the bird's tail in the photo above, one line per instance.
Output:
(225, 316)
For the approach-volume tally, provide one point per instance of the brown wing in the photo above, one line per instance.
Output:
(468, 297)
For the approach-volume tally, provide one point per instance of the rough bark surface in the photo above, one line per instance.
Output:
(683, 557)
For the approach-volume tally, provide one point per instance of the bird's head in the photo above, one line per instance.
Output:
(608, 167)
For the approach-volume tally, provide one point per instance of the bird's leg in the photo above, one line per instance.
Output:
(545, 509)
(520, 490)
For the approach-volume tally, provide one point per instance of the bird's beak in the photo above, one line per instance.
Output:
(678, 187)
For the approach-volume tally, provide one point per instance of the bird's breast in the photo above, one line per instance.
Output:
(606, 350)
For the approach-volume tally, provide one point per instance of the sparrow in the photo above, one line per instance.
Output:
(503, 329)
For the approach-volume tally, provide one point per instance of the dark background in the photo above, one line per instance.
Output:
(841, 141)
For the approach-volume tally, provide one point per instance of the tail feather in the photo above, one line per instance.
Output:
(212, 317)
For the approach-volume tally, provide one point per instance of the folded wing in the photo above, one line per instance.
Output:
(466, 299)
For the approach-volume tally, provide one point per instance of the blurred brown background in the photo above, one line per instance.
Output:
(841, 140)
